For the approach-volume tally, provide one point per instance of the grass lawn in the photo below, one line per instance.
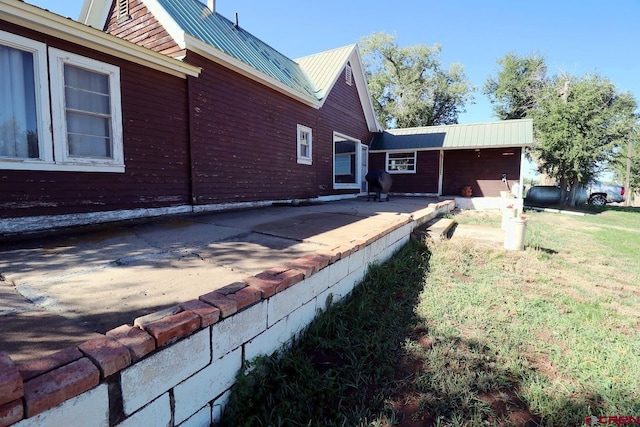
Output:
(459, 333)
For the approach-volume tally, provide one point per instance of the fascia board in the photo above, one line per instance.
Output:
(198, 46)
(168, 23)
(95, 13)
(475, 147)
(40, 20)
(363, 91)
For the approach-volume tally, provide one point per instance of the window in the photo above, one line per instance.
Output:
(123, 10)
(346, 158)
(87, 117)
(81, 130)
(401, 162)
(349, 75)
(304, 145)
(24, 103)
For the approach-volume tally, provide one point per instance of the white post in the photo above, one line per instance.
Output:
(211, 4)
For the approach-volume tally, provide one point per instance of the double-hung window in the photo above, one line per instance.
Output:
(81, 130)
(404, 162)
(24, 103)
(305, 144)
(86, 111)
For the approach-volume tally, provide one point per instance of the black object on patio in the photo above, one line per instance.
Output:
(379, 183)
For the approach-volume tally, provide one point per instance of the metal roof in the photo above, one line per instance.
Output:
(196, 19)
(506, 133)
(324, 68)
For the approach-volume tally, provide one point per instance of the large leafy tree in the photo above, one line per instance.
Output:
(409, 86)
(580, 123)
(513, 91)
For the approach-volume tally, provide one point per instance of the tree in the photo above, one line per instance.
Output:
(408, 85)
(513, 92)
(627, 164)
(579, 123)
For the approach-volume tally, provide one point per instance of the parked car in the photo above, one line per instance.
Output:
(596, 194)
(601, 194)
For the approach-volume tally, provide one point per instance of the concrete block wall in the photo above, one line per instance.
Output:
(176, 367)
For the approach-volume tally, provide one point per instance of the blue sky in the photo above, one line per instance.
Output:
(577, 37)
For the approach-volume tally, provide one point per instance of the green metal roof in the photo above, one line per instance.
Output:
(323, 68)
(196, 19)
(506, 133)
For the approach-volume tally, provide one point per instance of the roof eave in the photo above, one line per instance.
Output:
(475, 147)
(94, 13)
(54, 25)
(363, 91)
(196, 45)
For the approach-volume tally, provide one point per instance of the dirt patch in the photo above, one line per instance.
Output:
(509, 409)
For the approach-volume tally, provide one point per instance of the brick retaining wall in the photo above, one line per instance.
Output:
(176, 367)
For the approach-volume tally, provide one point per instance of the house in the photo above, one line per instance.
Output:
(264, 127)
(483, 159)
(152, 107)
(102, 151)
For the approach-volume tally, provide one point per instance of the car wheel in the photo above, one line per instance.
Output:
(598, 200)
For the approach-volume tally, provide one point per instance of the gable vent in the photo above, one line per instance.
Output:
(348, 75)
(123, 10)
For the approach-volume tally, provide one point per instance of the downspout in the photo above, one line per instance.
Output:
(440, 172)
(190, 132)
(520, 194)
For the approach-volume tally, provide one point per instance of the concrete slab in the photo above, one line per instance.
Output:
(254, 253)
(62, 289)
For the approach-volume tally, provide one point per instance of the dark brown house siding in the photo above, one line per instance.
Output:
(425, 180)
(154, 113)
(342, 112)
(143, 29)
(244, 138)
(482, 170)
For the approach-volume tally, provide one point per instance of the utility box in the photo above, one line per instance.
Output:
(515, 234)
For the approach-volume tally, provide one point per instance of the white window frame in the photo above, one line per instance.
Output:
(408, 154)
(305, 160)
(43, 117)
(348, 75)
(57, 60)
(358, 154)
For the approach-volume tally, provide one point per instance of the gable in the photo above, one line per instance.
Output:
(325, 68)
(140, 26)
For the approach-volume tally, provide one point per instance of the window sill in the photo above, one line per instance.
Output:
(346, 186)
(304, 161)
(400, 172)
(62, 167)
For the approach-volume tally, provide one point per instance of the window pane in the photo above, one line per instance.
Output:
(18, 116)
(86, 90)
(77, 99)
(86, 80)
(88, 136)
(401, 162)
(344, 162)
(88, 111)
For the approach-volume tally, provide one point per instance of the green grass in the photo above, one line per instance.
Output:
(336, 374)
(461, 334)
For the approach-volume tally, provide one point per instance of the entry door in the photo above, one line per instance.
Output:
(364, 167)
